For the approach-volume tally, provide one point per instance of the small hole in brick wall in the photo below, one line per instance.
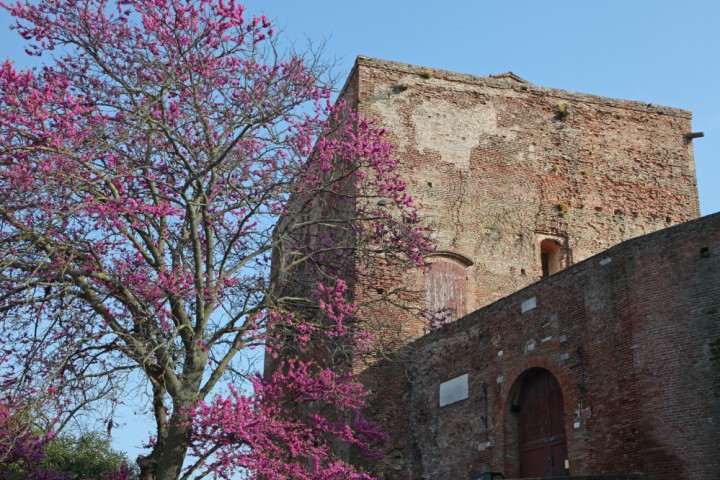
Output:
(618, 211)
(429, 184)
(380, 291)
(598, 209)
(704, 252)
(522, 271)
(668, 220)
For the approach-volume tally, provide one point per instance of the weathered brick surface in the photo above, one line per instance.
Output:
(633, 337)
(489, 161)
(497, 165)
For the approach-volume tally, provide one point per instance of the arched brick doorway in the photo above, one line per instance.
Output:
(540, 425)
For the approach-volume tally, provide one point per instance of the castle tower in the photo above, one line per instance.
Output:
(520, 181)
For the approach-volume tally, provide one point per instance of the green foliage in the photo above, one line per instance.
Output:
(426, 73)
(86, 456)
(563, 208)
(561, 111)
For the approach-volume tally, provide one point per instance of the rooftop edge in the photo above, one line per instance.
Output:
(501, 81)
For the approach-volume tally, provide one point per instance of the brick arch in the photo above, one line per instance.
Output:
(450, 255)
(511, 388)
(563, 374)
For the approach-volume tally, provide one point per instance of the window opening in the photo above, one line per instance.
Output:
(550, 257)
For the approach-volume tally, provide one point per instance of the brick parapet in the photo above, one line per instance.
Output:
(503, 83)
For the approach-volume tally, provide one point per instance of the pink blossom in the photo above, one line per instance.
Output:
(150, 175)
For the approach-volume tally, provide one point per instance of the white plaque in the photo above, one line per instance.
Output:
(454, 390)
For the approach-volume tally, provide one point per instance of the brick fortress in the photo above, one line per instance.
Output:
(583, 290)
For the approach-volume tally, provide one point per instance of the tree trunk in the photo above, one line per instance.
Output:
(170, 462)
(167, 458)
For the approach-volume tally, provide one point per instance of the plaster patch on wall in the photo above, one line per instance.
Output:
(385, 109)
(453, 132)
(454, 390)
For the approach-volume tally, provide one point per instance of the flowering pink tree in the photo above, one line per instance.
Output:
(148, 173)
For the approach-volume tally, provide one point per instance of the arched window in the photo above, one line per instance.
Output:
(446, 286)
(551, 257)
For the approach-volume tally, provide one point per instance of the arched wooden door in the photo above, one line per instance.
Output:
(541, 426)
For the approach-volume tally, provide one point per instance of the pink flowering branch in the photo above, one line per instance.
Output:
(292, 420)
(150, 175)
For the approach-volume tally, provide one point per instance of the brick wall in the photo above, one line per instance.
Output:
(492, 161)
(496, 166)
(633, 337)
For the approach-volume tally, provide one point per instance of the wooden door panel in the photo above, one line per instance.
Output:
(558, 454)
(534, 462)
(541, 426)
(533, 412)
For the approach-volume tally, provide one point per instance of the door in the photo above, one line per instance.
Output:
(541, 426)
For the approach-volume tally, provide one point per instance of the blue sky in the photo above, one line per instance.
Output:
(656, 51)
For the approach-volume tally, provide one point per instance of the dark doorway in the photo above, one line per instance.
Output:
(541, 426)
